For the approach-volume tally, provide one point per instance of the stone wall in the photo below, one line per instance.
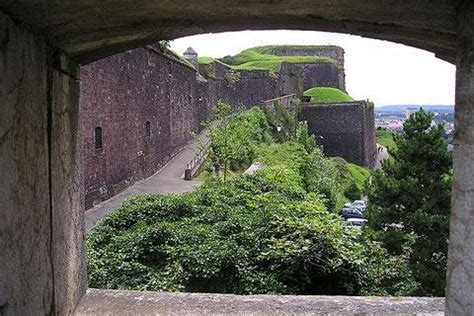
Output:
(322, 75)
(318, 74)
(343, 129)
(333, 52)
(42, 261)
(120, 94)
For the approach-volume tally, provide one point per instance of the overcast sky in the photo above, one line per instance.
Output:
(384, 72)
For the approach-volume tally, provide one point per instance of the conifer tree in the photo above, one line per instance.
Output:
(410, 197)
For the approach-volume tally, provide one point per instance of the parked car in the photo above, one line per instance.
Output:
(351, 213)
(359, 204)
(356, 222)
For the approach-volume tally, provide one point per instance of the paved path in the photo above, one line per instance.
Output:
(381, 156)
(168, 180)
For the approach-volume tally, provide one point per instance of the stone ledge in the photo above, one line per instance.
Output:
(115, 302)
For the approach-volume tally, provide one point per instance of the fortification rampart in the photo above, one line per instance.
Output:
(322, 75)
(317, 74)
(343, 129)
(146, 105)
(330, 51)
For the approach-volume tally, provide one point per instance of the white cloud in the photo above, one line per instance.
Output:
(384, 72)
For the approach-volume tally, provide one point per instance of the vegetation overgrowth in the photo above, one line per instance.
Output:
(276, 231)
(327, 95)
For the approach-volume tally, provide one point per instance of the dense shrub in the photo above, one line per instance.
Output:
(352, 192)
(274, 232)
(234, 138)
(259, 234)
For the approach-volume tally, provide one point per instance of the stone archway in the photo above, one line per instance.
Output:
(41, 45)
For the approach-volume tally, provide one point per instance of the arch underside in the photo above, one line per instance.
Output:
(89, 30)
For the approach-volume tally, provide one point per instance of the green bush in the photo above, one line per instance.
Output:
(247, 235)
(352, 192)
(273, 232)
(234, 138)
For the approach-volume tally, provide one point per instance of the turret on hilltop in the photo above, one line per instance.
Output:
(192, 56)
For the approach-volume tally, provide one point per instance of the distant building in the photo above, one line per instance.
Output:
(409, 112)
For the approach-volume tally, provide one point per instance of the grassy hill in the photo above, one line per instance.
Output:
(385, 138)
(327, 95)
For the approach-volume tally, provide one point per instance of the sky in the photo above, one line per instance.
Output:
(383, 72)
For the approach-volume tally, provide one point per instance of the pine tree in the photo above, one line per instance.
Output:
(410, 196)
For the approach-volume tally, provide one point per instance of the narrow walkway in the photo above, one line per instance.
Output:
(168, 180)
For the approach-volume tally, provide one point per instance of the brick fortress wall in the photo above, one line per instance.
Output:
(125, 93)
(147, 104)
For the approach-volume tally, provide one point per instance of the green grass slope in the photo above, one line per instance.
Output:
(358, 174)
(385, 138)
(327, 95)
(205, 60)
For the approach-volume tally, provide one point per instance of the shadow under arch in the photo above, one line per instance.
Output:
(87, 32)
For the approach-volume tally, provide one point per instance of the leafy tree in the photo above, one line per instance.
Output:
(321, 176)
(411, 195)
(234, 137)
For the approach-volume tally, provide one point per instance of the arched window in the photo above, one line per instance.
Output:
(148, 129)
(98, 137)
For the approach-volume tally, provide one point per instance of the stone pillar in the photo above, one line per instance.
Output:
(42, 263)
(67, 185)
(460, 278)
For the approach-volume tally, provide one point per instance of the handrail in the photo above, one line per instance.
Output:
(288, 96)
(285, 101)
(196, 161)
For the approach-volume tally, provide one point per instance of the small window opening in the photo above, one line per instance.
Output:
(147, 129)
(98, 137)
